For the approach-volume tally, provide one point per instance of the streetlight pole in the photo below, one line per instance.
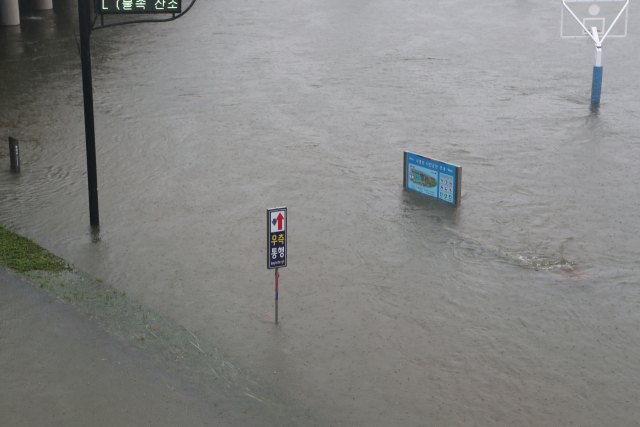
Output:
(84, 15)
(86, 26)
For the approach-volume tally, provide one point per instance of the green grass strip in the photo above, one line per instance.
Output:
(22, 254)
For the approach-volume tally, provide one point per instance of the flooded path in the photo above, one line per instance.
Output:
(520, 307)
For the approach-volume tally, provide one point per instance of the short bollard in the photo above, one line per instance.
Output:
(14, 154)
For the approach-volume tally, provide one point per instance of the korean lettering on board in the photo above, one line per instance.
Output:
(432, 165)
(164, 4)
(277, 249)
(141, 6)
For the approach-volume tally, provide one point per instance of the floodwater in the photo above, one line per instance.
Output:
(519, 307)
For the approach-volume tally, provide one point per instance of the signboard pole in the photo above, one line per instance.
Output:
(277, 277)
(84, 14)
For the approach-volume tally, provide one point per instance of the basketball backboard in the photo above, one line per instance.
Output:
(580, 16)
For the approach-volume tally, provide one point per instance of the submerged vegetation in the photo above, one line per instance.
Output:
(22, 254)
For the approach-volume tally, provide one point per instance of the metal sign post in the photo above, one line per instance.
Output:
(276, 243)
(84, 16)
(277, 277)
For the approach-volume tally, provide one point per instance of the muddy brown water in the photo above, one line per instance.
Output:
(520, 307)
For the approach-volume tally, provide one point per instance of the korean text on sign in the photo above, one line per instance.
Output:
(138, 6)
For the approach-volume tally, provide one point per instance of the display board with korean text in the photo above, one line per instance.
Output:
(432, 178)
(276, 238)
(125, 7)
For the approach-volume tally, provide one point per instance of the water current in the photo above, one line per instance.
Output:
(519, 307)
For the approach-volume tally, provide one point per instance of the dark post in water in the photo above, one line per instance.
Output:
(14, 154)
(84, 15)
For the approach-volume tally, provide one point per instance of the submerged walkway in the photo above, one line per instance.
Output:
(57, 368)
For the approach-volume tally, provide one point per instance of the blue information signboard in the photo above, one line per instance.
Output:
(432, 177)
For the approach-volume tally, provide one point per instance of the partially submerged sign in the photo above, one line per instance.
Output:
(125, 7)
(432, 178)
(276, 238)
(14, 154)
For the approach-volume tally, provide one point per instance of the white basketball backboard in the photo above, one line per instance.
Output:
(609, 17)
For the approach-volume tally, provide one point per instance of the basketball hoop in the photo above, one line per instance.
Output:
(595, 19)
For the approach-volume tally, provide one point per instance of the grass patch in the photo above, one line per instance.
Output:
(22, 254)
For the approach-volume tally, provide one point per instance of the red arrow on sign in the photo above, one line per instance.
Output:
(280, 218)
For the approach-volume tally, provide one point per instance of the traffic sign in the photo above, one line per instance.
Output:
(276, 238)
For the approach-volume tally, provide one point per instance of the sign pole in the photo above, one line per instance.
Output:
(276, 243)
(84, 13)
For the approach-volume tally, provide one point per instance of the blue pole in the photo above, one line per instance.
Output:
(596, 85)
